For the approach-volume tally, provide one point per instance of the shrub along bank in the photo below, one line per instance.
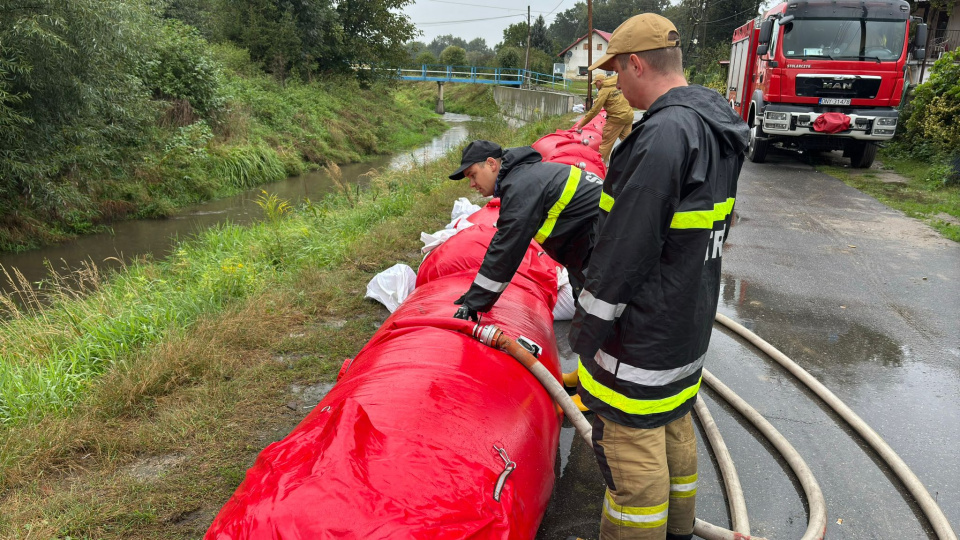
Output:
(925, 151)
(133, 410)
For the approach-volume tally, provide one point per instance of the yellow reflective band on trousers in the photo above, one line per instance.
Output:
(702, 219)
(645, 517)
(606, 201)
(635, 406)
(568, 190)
(683, 486)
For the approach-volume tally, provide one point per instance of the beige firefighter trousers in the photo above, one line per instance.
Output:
(611, 132)
(651, 477)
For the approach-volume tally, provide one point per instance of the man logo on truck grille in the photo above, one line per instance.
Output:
(838, 85)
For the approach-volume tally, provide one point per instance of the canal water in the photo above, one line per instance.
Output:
(134, 239)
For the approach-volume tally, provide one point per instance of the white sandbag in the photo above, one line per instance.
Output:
(461, 209)
(578, 108)
(565, 307)
(431, 241)
(392, 286)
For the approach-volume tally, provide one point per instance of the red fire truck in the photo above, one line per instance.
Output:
(823, 75)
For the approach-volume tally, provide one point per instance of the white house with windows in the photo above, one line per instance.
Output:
(575, 56)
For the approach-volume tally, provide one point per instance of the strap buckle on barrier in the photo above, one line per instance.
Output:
(508, 467)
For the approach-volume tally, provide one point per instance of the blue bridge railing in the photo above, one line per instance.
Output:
(481, 75)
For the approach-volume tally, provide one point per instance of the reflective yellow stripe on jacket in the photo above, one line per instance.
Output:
(702, 219)
(606, 201)
(568, 190)
(634, 406)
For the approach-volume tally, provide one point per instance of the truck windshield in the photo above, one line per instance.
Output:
(846, 39)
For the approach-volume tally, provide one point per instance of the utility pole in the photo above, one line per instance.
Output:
(526, 61)
(589, 54)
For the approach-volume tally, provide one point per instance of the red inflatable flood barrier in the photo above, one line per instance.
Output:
(578, 149)
(413, 439)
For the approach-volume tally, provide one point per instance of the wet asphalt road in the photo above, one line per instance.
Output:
(865, 299)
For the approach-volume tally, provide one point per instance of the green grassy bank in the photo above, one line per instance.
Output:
(263, 132)
(133, 409)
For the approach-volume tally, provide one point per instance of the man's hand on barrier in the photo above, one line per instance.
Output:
(465, 312)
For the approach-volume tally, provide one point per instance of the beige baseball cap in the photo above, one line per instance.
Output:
(643, 32)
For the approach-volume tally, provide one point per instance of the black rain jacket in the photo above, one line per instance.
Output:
(644, 318)
(528, 188)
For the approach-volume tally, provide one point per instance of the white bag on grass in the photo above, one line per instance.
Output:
(392, 286)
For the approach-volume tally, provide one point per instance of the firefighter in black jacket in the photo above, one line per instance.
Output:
(552, 203)
(645, 315)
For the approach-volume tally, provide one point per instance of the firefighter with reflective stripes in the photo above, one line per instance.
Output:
(645, 315)
(552, 203)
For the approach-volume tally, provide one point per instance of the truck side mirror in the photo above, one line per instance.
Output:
(920, 40)
(920, 53)
(766, 31)
(762, 49)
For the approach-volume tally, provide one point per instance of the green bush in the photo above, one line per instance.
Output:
(454, 56)
(510, 57)
(933, 125)
(425, 57)
(183, 68)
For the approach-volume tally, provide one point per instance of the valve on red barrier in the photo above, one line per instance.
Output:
(586, 142)
(582, 165)
(579, 130)
(344, 368)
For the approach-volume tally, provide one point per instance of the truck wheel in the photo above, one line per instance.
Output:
(862, 154)
(757, 147)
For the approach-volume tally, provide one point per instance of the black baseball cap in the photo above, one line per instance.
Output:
(476, 152)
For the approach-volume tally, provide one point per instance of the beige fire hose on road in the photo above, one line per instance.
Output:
(929, 506)
(731, 480)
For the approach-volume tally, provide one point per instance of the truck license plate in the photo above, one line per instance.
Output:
(834, 101)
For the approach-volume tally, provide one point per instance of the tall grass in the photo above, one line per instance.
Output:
(247, 166)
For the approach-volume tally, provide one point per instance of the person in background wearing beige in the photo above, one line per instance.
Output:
(619, 113)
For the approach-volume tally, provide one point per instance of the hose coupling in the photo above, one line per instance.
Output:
(486, 334)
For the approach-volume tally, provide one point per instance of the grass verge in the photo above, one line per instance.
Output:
(156, 432)
(918, 195)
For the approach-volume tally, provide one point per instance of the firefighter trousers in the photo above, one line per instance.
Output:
(651, 477)
(611, 132)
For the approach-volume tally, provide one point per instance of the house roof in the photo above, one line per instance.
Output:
(605, 35)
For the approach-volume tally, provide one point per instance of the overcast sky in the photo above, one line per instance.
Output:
(486, 19)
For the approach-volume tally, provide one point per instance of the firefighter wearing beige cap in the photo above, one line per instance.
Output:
(619, 113)
(645, 315)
